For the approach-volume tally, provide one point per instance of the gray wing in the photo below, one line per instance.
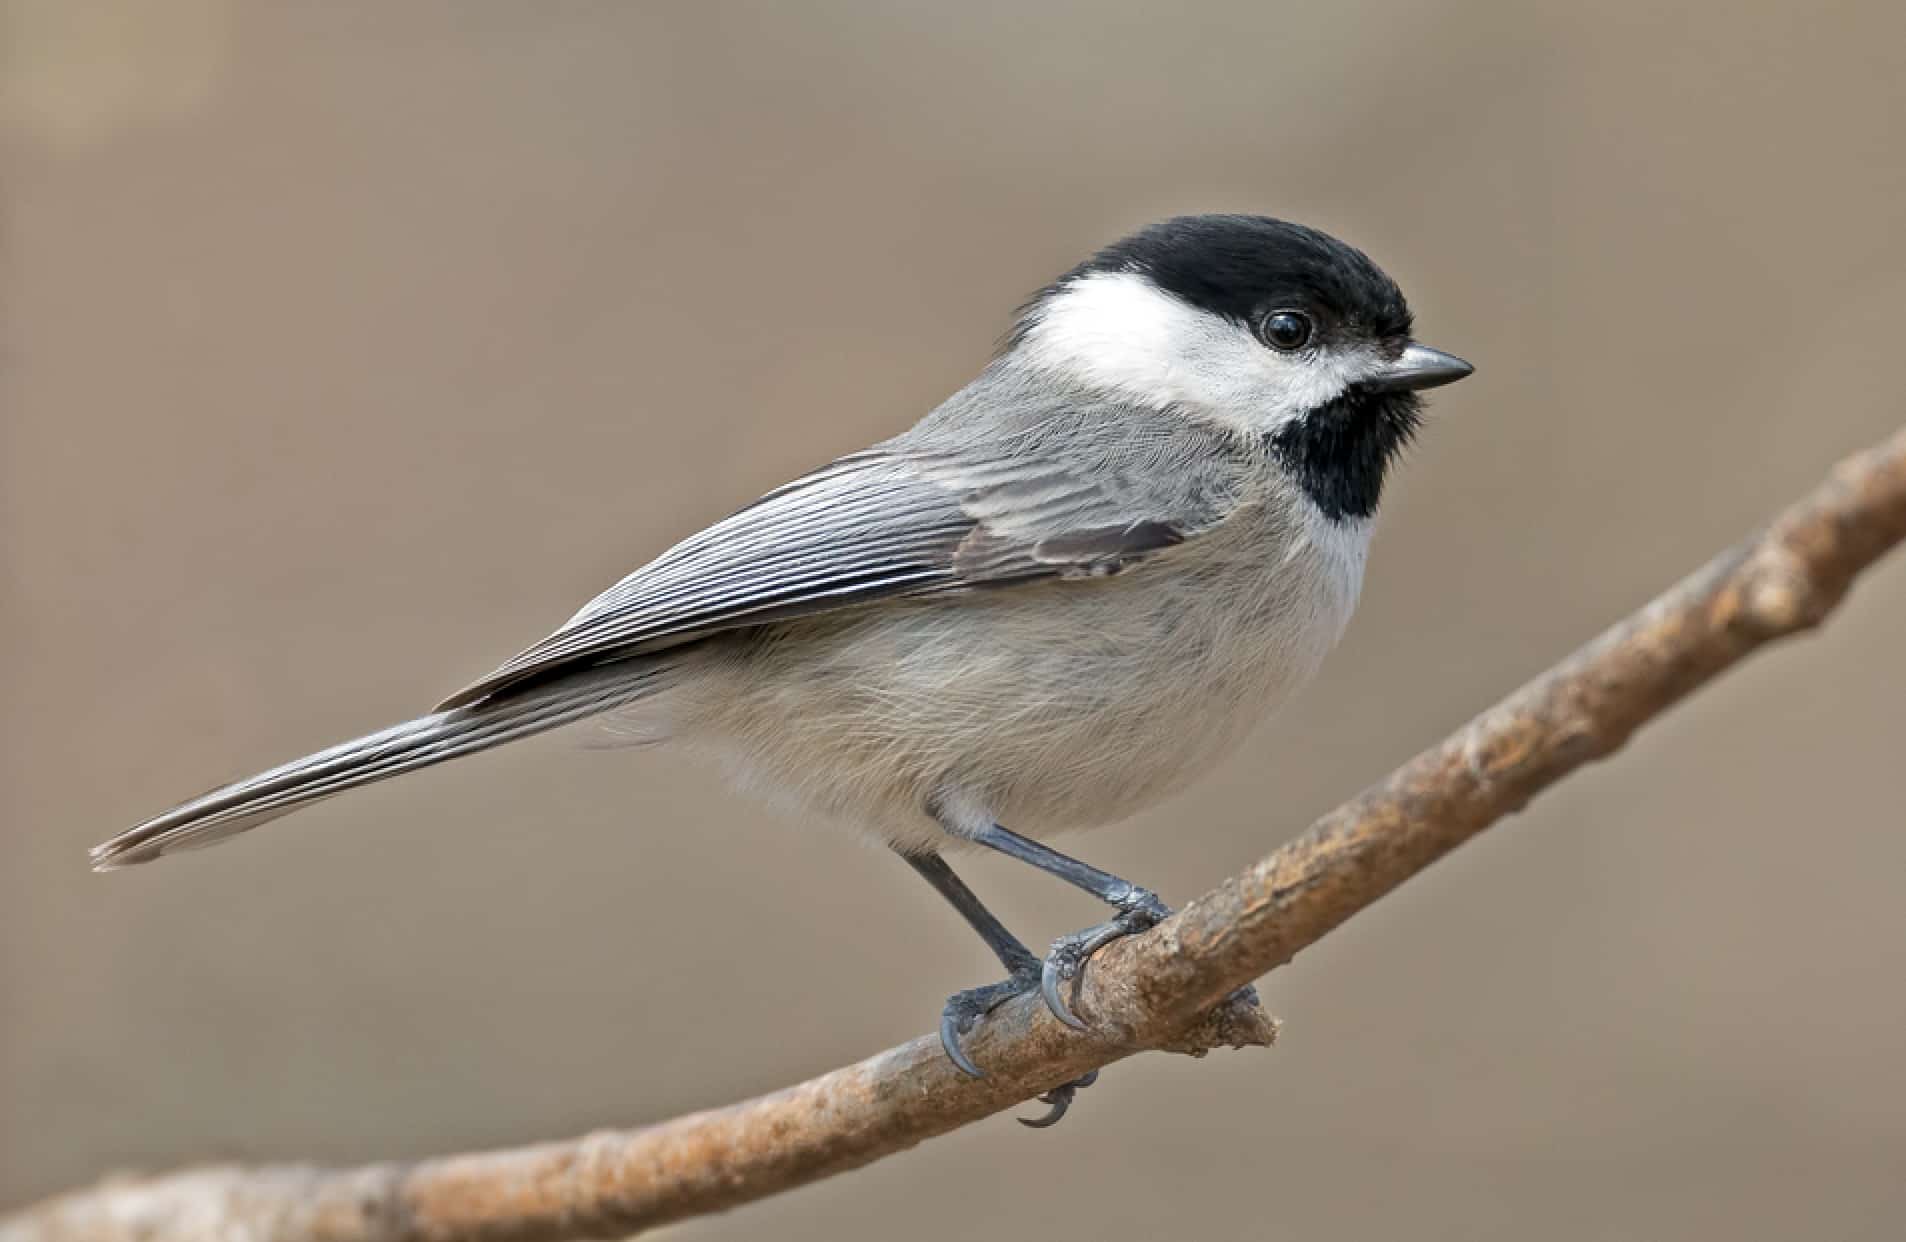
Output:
(880, 524)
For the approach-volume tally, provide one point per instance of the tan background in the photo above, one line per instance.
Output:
(347, 347)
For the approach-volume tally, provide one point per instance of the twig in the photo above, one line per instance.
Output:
(1150, 991)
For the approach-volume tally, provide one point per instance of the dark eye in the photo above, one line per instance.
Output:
(1285, 329)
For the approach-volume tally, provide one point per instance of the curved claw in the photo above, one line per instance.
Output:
(1069, 956)
(1060, 1099)
(950, 1044)
(1051, 975)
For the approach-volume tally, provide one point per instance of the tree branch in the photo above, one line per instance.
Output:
(1149, 991)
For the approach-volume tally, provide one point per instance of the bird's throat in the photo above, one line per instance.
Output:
(1340, 452)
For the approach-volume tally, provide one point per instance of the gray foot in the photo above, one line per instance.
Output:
(963, 1012)
(1138, 911)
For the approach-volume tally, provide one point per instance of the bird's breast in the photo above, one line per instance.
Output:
(1059, 705)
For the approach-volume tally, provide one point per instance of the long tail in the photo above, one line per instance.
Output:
(232, 809)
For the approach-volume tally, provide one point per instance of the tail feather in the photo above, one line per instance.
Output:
(232, 809)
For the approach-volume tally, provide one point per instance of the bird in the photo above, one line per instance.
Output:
(1058, 598)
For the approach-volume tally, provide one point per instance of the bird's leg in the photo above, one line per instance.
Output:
(964, 1009)
(1138, 909)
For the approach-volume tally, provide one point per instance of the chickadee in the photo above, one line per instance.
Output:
(1059, 597)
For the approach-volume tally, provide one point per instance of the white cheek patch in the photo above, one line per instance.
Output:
(1118, 331)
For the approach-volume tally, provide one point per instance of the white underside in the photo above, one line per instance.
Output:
(1045, 708)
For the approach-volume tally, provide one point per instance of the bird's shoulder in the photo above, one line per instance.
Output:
(1022, 452)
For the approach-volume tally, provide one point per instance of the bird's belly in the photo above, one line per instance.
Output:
(1049, 707)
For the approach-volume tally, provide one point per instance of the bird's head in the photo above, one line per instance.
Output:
(1269, 329)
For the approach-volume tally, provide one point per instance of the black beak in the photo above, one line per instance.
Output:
(1419, 367)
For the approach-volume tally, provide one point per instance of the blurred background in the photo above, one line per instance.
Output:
(348, 347)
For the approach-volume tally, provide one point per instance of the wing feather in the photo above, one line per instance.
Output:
(874, 525)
